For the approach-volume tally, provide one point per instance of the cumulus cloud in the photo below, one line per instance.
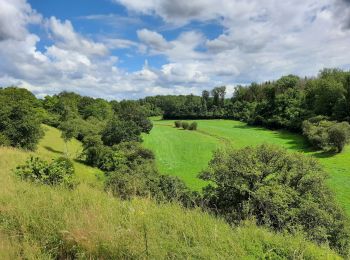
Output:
(153, 39)
(65, 37)
(258, 40)
(14, 17)
(261, 40)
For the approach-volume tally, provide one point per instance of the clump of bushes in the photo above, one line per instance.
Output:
(186, 125)
(326, 135)
(59, 172)
(178, 124)
(281, 190)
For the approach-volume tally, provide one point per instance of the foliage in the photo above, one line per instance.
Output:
(94, 151)
(326, 135)
(185, 125)
(118, 131)
(69, 129)
(19, 118)
(131, 171)
(4, 141)
(132, 111)
(339, 135)
(172, 189)
(178, 124)
(193, 126)
(59, 172)
(281, 190)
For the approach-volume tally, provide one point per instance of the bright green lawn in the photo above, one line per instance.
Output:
(186, 153)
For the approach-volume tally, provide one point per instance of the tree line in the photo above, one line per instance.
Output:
(285, 103)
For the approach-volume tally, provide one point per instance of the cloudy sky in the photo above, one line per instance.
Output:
(133, 48)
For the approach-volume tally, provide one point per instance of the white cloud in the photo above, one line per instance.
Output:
(116, 43)
(260, 40)
(65, 37)
(14, 17)
(153, 39)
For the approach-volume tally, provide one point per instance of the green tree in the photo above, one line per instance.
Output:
(133, 111)
(118, 131)
(281, 190)
(19, 118)
(69, 130)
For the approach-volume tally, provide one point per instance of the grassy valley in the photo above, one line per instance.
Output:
(186, 153)
(40, 222)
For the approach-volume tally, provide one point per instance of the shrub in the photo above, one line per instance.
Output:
(193, 126)
(283, 191)
(178, 124)
(338, 135)
(59, 172)
(131, 171)
(171, 188)
(185, 125)
(326, 135)
(136, 179)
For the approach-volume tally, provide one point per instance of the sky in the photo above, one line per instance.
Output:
(128, 49)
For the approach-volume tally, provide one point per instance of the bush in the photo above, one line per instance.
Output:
(283, 191)
(132, 177)
(193, 126)
(178, 124)
(59, 172)
(185, 125)
(171, 188)
(327, 135)
(338, 135)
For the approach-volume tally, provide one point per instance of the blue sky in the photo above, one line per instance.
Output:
(133, 48)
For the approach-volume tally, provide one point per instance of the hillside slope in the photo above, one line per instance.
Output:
(40, 222)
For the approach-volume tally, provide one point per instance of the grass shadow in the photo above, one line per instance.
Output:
(52, 150)
(324, 154)
(294, 141)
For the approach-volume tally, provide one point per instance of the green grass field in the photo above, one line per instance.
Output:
(186, 153)
(42, 222)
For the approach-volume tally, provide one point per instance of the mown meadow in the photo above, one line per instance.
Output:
(186, 153)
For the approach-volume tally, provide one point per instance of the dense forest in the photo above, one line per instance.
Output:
(281, 191)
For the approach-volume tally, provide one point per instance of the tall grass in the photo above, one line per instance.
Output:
(87, 223)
